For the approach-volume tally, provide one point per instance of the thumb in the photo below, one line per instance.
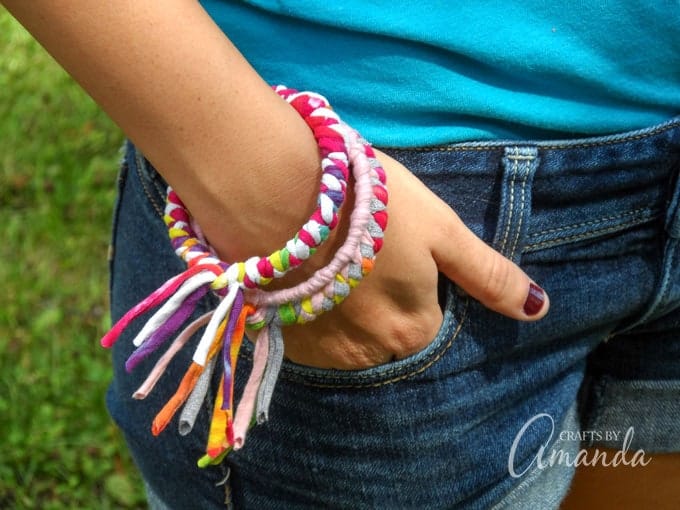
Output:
(485, 274)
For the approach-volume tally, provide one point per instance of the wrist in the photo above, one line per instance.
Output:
(260, 201)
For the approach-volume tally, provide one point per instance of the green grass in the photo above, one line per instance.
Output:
(58, 161)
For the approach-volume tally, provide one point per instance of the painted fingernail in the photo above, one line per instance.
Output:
(535, 300)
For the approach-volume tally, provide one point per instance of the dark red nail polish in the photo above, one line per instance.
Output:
(535, 300)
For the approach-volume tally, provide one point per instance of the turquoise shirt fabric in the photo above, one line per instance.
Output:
(422, 73)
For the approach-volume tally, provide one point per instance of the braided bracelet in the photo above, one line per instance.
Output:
(243, 303)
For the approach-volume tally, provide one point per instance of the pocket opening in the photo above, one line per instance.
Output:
(454, 310)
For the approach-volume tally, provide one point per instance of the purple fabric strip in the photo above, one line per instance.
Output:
(336, 196)
(336, 172)
(226, 348)
(166, 329)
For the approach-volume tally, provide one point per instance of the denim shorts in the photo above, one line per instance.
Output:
(469, 421)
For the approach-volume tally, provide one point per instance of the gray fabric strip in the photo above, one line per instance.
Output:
(271, 373)
(196, 399)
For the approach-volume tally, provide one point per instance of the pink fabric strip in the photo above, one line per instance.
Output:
(155, 298)
(163, 362)
(246, 407)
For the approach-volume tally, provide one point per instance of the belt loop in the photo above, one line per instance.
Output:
(519, 167)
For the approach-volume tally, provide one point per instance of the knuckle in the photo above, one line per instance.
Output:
(497, 281)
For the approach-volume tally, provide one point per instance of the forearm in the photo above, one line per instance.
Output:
(182, 92)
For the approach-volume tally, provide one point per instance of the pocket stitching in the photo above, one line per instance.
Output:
(641, 212)
(549, 243)
(423, 364)
(138, 167)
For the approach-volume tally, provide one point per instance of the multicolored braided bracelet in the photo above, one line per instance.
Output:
(243, 303)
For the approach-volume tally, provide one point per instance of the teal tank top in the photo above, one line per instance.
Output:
(422, 73)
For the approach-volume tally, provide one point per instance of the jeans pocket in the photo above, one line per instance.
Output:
(334, 437)
(394, 371)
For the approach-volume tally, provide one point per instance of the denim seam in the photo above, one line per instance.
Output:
(595, 407)
(668, 268)
(587, 235)
(595, 222)
(421, 364)
(161, 189)
(567, 144)
(121, 181)
(673, 208)
(660, 300)
(139, 159)
(150, 172)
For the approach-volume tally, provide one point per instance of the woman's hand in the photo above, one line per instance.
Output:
(394, 312)
(198, 115)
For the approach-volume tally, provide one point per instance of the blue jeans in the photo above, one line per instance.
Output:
(469, 421)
